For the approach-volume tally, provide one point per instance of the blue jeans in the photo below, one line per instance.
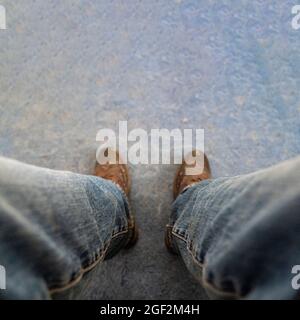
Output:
(55, 226)
(238, 236)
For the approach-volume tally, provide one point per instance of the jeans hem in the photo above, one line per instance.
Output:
(84, 270)
(207, 285)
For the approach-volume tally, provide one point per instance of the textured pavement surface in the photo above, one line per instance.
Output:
(69, 68)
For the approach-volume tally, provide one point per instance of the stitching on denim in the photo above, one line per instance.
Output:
(84, 270)
(210, 286)
(194, 197)
(119, 189)
(131, 219)
(99, 256)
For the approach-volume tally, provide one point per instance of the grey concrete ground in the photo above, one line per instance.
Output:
(69, 68)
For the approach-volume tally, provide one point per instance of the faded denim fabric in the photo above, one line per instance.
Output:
(240, 236)
(55, 226)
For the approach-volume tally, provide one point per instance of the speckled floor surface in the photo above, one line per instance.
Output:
(69, 68)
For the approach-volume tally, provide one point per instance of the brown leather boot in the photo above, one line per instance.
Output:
(118, 173)
(183, 180)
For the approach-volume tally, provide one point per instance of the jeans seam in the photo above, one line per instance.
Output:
(130, 216)
(83, 270)
(99, 256)
(131, 219)
(203, 266)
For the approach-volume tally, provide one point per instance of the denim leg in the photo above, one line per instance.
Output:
(240, 236)
(55, 226)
